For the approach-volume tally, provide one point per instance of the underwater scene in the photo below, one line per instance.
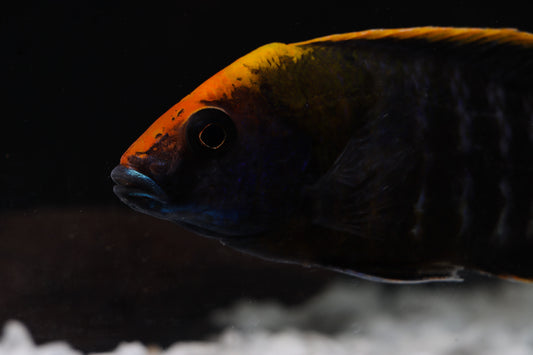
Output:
(210, 178)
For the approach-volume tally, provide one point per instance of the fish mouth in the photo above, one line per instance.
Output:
(142, 194)
(138, 191)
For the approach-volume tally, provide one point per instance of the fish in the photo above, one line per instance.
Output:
(394, 155)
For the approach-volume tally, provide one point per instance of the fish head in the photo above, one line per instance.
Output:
(223, 162)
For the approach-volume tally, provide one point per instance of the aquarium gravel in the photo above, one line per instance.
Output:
(350, 317)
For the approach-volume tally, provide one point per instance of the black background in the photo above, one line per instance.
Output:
(85, 78)
(82, 80)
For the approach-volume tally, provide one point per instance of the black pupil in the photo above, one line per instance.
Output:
(212, 136)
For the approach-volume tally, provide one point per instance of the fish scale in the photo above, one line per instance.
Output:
(496, 197)
(482, 201)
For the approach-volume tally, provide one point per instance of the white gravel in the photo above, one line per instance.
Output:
(352, 317)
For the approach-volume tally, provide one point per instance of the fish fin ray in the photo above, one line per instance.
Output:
(466, 35)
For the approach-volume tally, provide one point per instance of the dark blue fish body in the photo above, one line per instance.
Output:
(401, 155)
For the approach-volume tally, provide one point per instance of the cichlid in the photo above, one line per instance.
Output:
(395, 155)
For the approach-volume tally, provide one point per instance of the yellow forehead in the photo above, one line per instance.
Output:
(242, 72)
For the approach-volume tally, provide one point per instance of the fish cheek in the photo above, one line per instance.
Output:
(208, 196)
(241, 192)
(271, 174)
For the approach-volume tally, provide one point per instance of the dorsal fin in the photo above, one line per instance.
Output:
(435, 34)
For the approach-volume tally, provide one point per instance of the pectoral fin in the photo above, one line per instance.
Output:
(370, 184)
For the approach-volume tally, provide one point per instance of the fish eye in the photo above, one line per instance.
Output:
(212, 136)
(210, 130)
